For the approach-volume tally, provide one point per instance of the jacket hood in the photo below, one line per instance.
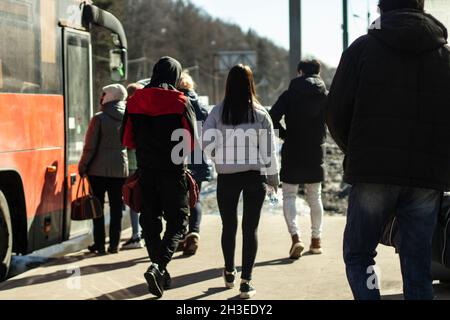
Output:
(115, 109)
(166, 71)
(409, 30)
(114, 92)
(309, 85)
(156, 102)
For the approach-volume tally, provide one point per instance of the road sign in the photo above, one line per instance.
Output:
(228, 59)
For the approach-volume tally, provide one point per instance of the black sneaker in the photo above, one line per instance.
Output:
(155, 280)
(167, 280)
(230, 279)
(181, 245)
(247, 290)
(97, 249)
(113, 250)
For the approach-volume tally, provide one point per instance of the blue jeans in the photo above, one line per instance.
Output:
(134, 218)
(195, 218)
(135, 227)
(370, 208)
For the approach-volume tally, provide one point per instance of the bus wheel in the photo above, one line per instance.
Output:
(5, 237)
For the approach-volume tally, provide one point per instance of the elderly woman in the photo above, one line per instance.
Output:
(105, 162)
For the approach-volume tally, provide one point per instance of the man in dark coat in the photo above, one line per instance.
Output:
(154, 114)
(389, 111)
(303, 109)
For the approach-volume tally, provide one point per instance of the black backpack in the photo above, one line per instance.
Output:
(441, 238)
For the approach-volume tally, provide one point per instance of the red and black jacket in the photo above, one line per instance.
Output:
(153, 115)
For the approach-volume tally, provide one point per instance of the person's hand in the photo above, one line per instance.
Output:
(81, 171)
(273, 181)
(271, 188)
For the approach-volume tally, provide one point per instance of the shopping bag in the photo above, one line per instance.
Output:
(194, 191)
(132, 194)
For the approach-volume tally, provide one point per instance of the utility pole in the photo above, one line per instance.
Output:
(345, 23)
(295, 25)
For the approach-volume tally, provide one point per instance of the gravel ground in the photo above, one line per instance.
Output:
(334, 190)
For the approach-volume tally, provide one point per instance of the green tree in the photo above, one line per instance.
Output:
(180, 29)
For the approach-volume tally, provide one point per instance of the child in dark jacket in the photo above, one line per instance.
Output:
(198, 165)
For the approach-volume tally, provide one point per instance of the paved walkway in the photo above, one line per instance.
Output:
(275, 277)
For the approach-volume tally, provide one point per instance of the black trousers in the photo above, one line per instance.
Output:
(112, 186)
(229, 189)
(165, 196)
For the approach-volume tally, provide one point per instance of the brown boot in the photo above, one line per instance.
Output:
(297, 248)
(316, 246)
(181, 245)
(191, 246)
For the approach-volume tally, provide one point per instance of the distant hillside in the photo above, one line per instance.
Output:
(180, 29)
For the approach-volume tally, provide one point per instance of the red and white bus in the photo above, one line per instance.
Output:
(45, 106)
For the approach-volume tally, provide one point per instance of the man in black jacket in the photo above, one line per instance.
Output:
(303, 109)
(154, 115)
(389, 111)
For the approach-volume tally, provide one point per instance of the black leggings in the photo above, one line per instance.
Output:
(229, 189)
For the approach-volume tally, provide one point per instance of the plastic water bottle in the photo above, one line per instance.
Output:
(273, 198)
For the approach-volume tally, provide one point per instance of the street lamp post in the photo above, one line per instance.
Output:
(295, 25)
(345, 23)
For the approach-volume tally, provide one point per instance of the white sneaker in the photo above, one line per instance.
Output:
(133, 244)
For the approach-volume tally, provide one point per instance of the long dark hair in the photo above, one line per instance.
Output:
(240, 97)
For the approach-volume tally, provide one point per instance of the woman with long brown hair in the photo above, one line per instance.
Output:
(239, 137)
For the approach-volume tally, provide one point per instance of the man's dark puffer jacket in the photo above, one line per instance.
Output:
(389, 105)
(303, 108)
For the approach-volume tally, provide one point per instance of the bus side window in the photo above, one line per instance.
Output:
(31, 62)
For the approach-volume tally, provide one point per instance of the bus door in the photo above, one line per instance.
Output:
(78, 112)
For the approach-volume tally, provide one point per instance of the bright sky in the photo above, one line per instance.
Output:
(322, 20)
